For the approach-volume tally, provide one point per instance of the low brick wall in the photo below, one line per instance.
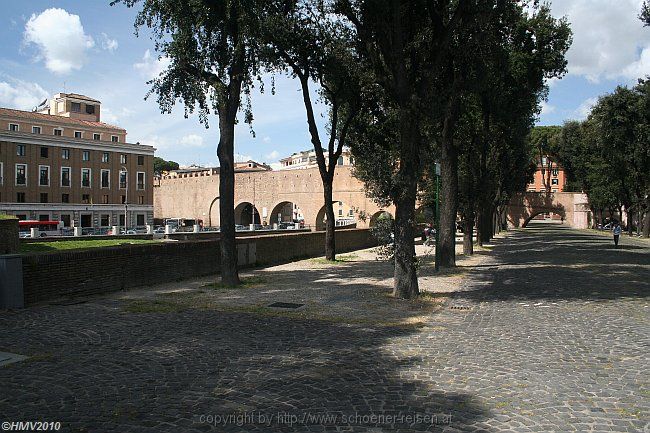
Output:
(48, 276)
(9, 240)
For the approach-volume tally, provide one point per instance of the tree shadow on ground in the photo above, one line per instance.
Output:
(197, 370)
(574, 266)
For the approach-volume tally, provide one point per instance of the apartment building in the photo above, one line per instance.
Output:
(61, 163)
(548, 174)
(307, 159)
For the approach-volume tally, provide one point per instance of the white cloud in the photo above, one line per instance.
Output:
(547, 108)
(192, 140)
(608, 38)
(109, 44)
(242, 158)
(584, 109)
(60, 38)
(151, 66)
(273, 155)
(109, 116)
(266, 139)
(21, 94)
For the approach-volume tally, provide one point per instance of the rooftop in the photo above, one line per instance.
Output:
(29, 115)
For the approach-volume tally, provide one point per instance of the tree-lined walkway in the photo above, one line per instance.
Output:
(556, 339)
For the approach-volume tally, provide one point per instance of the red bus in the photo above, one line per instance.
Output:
(45, 228)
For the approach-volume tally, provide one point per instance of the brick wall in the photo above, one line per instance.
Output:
(48, 276)
(9, 240)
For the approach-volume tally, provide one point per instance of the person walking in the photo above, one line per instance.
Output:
(616, 229)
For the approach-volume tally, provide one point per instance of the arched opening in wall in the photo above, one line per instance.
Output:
(286, 212)
(246, 214)
(545, 216)
(343, 216)
(378, 216)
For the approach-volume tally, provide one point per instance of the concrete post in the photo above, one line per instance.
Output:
(296, 226)
(252, 227)
(168, 229)
(33, 232)
(196, 228)
(11, 282)
(149, 229)
(116, 230)
(77, 231)
(275, 226)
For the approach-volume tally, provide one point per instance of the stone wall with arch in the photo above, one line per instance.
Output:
(191, 196)
(572, 207)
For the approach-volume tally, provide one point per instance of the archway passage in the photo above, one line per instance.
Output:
(556, 215)
(377, 216)
(343, 216)
(246, 214)
(285, 212)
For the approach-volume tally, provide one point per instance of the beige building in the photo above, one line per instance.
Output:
(61, 163)
(307, 159)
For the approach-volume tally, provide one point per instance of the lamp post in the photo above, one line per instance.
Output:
(437, 174)
(126, 196)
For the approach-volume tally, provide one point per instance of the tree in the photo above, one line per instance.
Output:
(214, 56)
(306, 41)
(160, 165)
(645, 13)
(404, 45)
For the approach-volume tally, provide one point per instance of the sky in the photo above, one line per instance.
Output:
(89, 47)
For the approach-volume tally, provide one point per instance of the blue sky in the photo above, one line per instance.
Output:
(97, 54)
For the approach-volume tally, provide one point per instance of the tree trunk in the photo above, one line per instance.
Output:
(485, 225)
(406, 279)
(225, 152)
(330, 224)
(468, 244)
(630, 220)
(646, 223)
(448, 204)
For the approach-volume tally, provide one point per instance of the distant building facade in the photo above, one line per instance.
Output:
(61, 163)
(549, 173)
(307, 159)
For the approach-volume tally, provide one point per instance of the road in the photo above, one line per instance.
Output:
(551, 333)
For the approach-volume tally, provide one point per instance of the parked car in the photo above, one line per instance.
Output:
(240, 228)
(159, 231)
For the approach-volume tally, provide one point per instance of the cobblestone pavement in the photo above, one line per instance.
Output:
(550, 334)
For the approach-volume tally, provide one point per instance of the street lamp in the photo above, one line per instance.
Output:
(126, 195)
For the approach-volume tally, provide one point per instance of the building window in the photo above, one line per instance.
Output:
(75, 107)
(140, 160)
(85, 178)
(21, 174)
(36, 129)
(65, 176)
(114, 138)
(44, 175)
(43, 197)
(105, 157)
(555, 172)
(20, 149)
(340, 160)
(90, 109)
(340, 212)
(78, 134)
(65, 198)
(85, 198)
(139, 218)
(45, 151)
(140, 199)
(106, 178)
(122, 159)
(105, 220)
(140, 180)
(58, 132)
(123, 179)
(123, 197)
(105, 199)
(85, 156)
(65, 218)
(97, 136)
(20, 198)
(13, 127)
(554, 182)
